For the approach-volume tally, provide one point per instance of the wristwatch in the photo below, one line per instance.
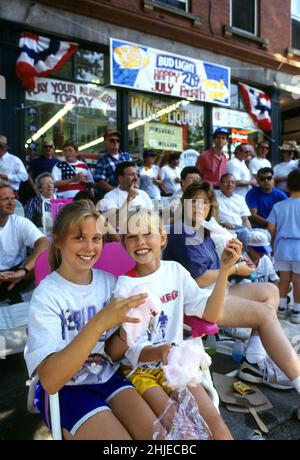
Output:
(22, 267)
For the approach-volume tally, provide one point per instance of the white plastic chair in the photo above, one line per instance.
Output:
(47, 222)
(19, 210)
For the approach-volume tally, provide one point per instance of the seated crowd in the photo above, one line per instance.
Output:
(231, 280)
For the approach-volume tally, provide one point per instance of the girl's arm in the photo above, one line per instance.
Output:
(57, 369)
(159, 353)
(272, 231)
(215, 303)
(116, 345)
(211, 276)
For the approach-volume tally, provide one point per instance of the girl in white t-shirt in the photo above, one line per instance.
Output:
(68, 326)
(179, 295)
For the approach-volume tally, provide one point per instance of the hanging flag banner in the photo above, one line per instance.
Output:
(258, 105)
(147, 69)
(40, 56)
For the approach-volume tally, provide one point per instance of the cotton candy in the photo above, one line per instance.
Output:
(144, 312)
(186, 364)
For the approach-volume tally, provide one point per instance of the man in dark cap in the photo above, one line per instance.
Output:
(212, 163)
(105, 176)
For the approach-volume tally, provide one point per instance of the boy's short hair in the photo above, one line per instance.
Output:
(266, 170)
(293, 181)
(189, 170)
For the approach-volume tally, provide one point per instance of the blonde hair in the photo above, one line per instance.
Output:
(144, 221)
(69, 217)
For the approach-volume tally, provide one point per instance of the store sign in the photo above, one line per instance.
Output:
(163, 137)
(232, 119)
(147, 69)
(82, 95)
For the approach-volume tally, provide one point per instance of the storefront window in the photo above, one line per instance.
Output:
(241, 126)
(164, 124)
(64, 110)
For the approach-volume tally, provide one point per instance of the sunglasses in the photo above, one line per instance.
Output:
(263, 147)
(113, 140)
(48, 146)
(265, 178)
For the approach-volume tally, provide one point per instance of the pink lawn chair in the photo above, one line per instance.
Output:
(58, 203)
(114, 259)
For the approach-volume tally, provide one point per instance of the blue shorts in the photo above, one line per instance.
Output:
(80, 402)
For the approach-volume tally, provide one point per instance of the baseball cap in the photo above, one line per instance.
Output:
(260, 241)
(3, 140)
(111, 132)
(221, 131)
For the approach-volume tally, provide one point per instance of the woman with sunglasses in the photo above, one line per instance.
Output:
(248, 306)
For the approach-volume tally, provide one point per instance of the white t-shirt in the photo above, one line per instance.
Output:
(265, 270)
(232, 209)
(58, 311)
(282, 170)
(117, 197)
(240, 172)
(168, 176)
(146, 181)
(17, 234)
(178, 292)
(256, 163)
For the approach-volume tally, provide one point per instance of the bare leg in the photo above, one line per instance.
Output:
(296, 286)
(261, 316)
(157, 399)
(102, 426)
(210, 414)
(284, 283)
(134, 414)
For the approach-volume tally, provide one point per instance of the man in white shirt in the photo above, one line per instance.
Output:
(237, 167)
(233, 210)
(260, 161)
(12, 169)
(126, 197)
(170, 175)
(282, 170)
(16, 234)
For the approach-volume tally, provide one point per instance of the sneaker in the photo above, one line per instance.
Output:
(267, 372)
(295, 317)
(241, 333)
(282, 313)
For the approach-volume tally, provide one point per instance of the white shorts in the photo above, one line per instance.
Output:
(287, 266)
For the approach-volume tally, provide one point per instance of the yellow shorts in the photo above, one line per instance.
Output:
(144, 379)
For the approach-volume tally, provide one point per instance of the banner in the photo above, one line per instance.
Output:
(258, 105)
(163, 137)
(40, 56)
(82, 95)
(147, 69)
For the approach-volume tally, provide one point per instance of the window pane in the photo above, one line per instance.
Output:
(296, 34)
(243, 15)
(179, 4)
(94, 110)
(295, 8)
(89, 66)
(164, 124)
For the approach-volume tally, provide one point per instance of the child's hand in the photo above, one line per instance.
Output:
(243, 269)
(164, 352)
(116, 311)
(231, 254)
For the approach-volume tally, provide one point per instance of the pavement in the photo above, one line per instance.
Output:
(16, 423)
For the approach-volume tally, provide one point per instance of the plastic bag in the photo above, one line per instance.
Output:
(181, 420)
(186, 364)
(144, 312)
(220, 235)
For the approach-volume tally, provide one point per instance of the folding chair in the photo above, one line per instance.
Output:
(47, 222)
(57, 204)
